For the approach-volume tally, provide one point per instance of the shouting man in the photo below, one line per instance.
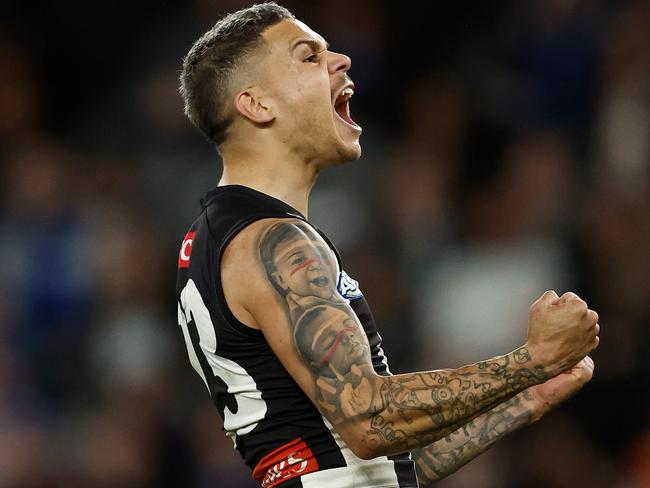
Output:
(283, 339)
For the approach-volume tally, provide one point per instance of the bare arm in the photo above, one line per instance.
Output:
(447, 455)
(281, 278)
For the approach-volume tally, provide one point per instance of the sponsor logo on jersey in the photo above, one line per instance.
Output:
(347, 287)
(286, 462)
(186, 250)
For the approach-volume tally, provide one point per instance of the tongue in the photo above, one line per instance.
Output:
(342, 110)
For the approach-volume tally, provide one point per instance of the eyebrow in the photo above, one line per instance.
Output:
(315, 44)
(294, 253)
(280, 255)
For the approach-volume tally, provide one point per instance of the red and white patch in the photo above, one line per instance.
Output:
(186, 250)
(286, 462)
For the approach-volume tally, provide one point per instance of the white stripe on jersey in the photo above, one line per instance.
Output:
(251, 407)
(329, 478)
(194, 360)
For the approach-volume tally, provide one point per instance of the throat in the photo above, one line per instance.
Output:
(282, 183)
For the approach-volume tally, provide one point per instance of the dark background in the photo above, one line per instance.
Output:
(506, 152)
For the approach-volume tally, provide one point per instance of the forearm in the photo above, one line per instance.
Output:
(413, 410)
(447, 455)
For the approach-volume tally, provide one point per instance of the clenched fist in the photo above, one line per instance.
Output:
(561, 331)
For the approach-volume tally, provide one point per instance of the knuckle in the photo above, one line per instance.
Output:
(577, 307)
(535, 310)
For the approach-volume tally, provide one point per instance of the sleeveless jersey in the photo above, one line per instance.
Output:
(276, 428)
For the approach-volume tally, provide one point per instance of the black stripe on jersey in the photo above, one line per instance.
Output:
(405, 470)
(326, 451)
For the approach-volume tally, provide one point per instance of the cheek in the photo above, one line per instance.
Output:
(314, 98)
(318, 355)
(331, 271)
(341, 358)
(297, 87)
(281, 276)
(298, 281)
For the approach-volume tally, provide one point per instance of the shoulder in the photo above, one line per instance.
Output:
(267, 242)
(276, 260)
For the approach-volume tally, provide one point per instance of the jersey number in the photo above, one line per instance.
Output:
(233, 389)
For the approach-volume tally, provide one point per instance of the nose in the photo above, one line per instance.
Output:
(338, 62)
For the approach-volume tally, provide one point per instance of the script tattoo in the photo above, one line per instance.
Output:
(447, 455)
(403, 411)
(432, 404)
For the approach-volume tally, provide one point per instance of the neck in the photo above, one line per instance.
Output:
(286, 178)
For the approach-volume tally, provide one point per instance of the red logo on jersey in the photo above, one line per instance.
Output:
(286, 462)
(186, 250)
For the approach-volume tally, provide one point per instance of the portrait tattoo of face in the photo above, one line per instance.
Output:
(296, 262)
(330, 342)
(327, 338)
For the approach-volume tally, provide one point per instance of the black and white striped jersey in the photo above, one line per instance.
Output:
(277, 430)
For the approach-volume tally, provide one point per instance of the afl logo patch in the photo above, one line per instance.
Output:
(347, 287)
(186, 251)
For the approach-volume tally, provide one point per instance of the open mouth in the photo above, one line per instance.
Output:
(342, 107)
(321, 281)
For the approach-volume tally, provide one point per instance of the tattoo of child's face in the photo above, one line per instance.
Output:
(298, 263)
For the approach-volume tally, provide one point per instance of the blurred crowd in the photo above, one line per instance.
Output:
(506, 152)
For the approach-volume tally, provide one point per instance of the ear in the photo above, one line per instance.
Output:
(252, 106)
(277, 277)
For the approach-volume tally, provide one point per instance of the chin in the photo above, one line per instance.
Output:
(353, 152)
(348, 145)
(345, 152)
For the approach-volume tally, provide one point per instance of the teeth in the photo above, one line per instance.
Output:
(347, 93)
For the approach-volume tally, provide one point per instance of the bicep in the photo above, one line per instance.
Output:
(291, 294)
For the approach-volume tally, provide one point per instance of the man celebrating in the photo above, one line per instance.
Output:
(283, 339)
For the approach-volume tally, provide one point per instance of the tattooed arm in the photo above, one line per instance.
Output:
(447, 455)
(280, 276)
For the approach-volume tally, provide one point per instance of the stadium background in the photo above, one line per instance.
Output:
(506, 151)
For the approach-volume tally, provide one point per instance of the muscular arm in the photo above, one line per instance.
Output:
(282, 279)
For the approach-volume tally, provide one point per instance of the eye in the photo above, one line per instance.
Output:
(312, 59)
(328, 341)
(298, 260)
